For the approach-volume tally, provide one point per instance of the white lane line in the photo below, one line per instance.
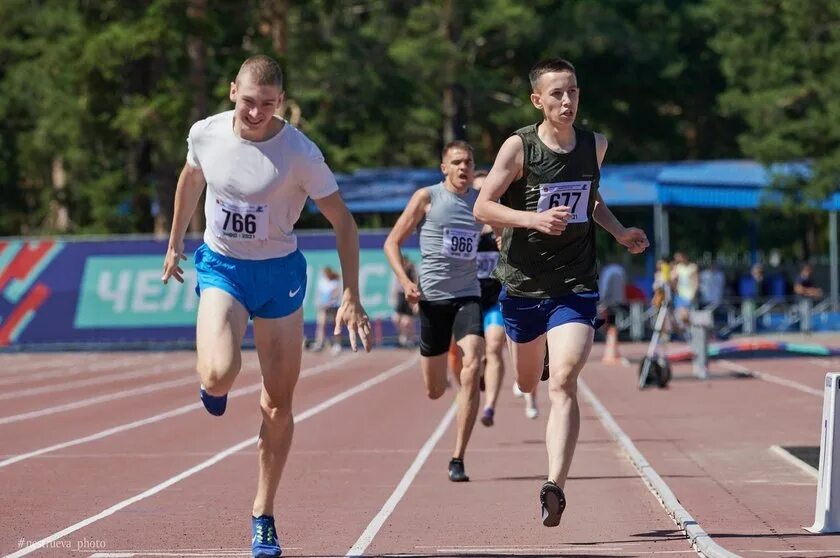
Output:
(95, 400)
(99, 380)
(312, 411)
(795, 461)
(69, 361)
(735, 367)
(71, 369)
(700, 540)
(376, 523)
(305, 373)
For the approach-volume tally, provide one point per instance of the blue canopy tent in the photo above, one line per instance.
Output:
(726, 184)
(734, 184)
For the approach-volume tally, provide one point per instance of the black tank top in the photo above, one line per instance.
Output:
(537, 265)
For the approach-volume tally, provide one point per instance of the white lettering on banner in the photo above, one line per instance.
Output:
(241, 221)
(574, 195)
(147, 290)
(117, 294)
(460, 244)
(367, 271)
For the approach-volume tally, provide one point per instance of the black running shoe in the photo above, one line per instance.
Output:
(552, 504)
(545, 374)
(456, 471)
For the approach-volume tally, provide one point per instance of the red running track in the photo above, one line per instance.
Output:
(106, 461)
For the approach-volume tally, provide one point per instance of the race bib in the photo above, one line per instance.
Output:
(486, 263)
(460, 244)
(574, 195)
(241, 221)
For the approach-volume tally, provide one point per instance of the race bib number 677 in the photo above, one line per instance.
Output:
(574, 195)
(241, 221)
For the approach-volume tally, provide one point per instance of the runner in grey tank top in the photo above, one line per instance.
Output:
(448, 245)
(448, 294)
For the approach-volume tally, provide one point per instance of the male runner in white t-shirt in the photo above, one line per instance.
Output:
(259, 171)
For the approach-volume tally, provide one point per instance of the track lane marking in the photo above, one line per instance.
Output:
(698, 538)
(305, 373)
(364, 540)
(312, 411)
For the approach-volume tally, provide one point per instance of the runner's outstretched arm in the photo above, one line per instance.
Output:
(634, 239)
(187, 193)
(350, 312)
(408, 221)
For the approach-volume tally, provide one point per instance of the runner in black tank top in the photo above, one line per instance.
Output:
(546, 178)
(537, 265)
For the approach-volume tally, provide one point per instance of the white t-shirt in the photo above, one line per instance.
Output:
(255, 190)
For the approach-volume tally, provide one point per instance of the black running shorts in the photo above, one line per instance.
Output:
(440, 320)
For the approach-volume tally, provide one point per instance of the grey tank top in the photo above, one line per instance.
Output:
(448, 245)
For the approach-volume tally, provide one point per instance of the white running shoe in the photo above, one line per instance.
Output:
(335, 349)
(532, 412)
(516, 391)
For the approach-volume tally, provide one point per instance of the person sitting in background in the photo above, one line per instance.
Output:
(328, 292)
(804, 285)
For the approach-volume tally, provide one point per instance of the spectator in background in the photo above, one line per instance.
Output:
(328, 293)
(686, 281)
(405, 313)
(712, 285)
(804, 285)
(756, 283)
(612, 282)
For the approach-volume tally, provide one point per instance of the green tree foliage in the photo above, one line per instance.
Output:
(779, 58)
(96, 98)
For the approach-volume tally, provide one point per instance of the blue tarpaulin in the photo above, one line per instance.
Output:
(732, 184)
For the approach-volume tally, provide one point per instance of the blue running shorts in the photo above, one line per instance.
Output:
(271, 288)
(493, 317)
(527, 318)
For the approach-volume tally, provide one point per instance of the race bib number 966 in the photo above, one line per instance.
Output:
(574, 195)
(241, 221)
(460, 244)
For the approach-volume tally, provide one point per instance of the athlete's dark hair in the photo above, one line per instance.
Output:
(457, 144)
(264, 69)
(546, 66)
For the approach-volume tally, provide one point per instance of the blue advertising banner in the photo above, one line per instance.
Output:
(110, 292)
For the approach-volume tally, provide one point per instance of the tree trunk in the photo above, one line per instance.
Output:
(197, 53)
(58, 218)
(452, 102)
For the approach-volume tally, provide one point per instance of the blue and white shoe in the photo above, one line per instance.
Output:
(264, 542)
(215, 405)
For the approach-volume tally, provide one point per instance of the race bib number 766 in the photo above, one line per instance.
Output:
(241, 221)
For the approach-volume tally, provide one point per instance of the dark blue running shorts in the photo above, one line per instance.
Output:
(528, 318)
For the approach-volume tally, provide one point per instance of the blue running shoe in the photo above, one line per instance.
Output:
(214, 405)
(264, 537)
